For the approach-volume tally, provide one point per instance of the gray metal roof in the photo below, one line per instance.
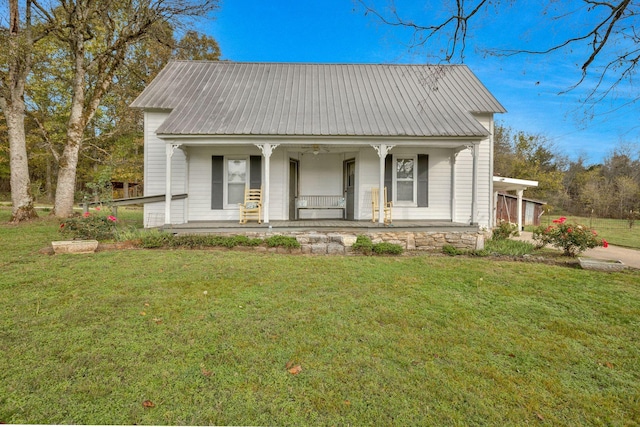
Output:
(295, 99)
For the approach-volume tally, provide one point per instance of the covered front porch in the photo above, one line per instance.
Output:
(336, 237)
(193, 227)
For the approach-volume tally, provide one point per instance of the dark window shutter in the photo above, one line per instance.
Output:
(423, 180)
(388, 176)
(255, 171)
(217, 182)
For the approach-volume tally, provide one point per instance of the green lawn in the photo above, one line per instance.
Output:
(207, 337)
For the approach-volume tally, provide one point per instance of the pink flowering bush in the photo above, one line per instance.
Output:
(89, 226)
(572, 238)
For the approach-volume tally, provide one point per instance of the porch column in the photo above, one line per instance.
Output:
(382, 150)
(267, 150)
(170, 148)
(520, 192)
(494, 219)
(474, 185)
(453, 159)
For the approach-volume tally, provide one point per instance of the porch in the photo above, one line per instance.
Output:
(333, 225)
(336, 237)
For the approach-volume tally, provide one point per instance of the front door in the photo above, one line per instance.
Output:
(293, 187)
(349, 187)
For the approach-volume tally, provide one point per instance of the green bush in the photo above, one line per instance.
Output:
(363, 245)
(89, 226)
(504, 230)
(452, 250)
(282, 241)
(156, 239)
(385, 248)
(572, 238)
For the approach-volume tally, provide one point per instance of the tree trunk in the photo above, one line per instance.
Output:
(67, 167)
(12, 103)
(21, 197)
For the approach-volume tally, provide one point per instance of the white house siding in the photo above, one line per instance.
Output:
(485, 173)
(155, 171)
(439, 184)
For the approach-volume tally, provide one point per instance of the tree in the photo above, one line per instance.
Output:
(606, 34)
(526, 156)
(15, 65)
(99, 36)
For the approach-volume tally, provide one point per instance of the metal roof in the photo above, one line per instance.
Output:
(296, 99)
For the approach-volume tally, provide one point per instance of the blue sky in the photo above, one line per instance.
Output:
(528, 86)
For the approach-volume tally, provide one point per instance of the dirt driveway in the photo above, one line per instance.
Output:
(630, 257)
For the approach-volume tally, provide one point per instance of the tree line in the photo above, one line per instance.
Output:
(68, 70)
(610, 189)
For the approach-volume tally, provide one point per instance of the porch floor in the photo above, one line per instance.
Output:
(319, 224)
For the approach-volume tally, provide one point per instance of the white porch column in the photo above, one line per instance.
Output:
(382, 150)
(170, 148)
(494, 219)
(519, 193)
(452, 160)
(474, 185)
(267, 150)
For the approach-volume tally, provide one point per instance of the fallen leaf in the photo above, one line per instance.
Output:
(157, 320)
(608, 365)
(540, 417)
(142, 313)
(295, 370)
(289, 364)
(146, 304)
(512, 355)
(148, 404)
(346, 402)
(206, 372)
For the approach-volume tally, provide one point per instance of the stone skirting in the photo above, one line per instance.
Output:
(340, 243)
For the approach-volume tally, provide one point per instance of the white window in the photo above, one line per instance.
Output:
(404, 178)
(237, 178)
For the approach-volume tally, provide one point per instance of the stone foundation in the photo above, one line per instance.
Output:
(340, 243)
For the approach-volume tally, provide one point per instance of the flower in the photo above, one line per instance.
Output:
(560, 220)
(605, 243)
(97, 208)
(86, 214)
(112, 218)
(62, 225)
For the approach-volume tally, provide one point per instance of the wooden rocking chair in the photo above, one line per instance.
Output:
(252, 206)
(374, 206)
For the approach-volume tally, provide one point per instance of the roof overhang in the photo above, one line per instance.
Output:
(512, 184)
(458, 142)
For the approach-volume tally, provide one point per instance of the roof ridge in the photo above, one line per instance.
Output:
(391, 64)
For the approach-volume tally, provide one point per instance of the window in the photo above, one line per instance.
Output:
(405, 180)
(236, 180)
(229, 178)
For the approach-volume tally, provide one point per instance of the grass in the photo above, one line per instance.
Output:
(615, 231)
(207, 337)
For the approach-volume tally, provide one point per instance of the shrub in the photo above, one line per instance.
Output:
(282, 241)
(363, 245)
(88, 226)
(387, 248)
(155, 239)
(451, 250)
(504, 230)
(572, 238)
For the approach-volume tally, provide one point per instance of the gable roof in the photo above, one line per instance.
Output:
(296, 99)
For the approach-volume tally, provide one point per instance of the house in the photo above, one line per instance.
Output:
(425, 132)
